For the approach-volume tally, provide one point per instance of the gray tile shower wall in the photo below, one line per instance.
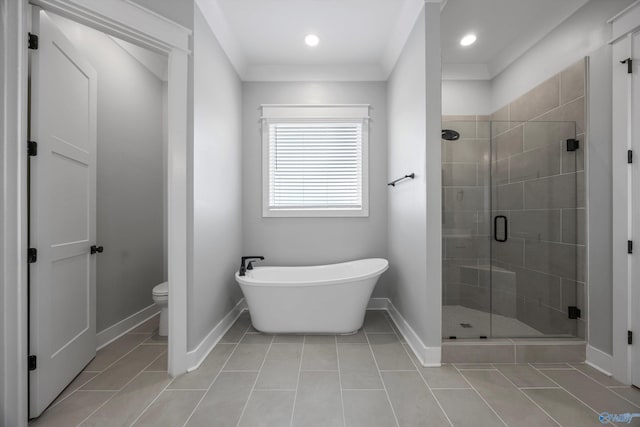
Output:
(539, 186)
(542, 190)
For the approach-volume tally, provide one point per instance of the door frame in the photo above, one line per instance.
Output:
(124, 19)
(625, 136)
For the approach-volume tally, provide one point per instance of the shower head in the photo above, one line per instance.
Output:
(450, 135)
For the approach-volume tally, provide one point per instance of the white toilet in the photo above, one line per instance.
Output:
(161, 298)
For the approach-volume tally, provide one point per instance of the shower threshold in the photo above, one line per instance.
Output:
(512, 350)
(530, 346)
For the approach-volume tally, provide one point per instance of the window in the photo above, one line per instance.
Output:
(315, 160)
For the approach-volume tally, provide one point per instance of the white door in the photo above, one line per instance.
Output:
(63, 211)
(634, 306)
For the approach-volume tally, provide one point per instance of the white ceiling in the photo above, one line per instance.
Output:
(350, 31)
(362, 39)
(265, 38)
(505, 30)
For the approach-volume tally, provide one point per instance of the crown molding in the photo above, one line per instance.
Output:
(314, 73)
(222, 30)
(399, 36)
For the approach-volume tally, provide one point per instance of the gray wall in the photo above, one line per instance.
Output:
(312, 241)
(466, 97)
(432, 306)
(129, 176)
(182, 13)
(414, 206)
(216, 231)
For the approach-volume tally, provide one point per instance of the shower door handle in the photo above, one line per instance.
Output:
(495, 228)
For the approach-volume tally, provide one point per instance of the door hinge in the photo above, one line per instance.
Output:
(629, 337)
(629, 156)
(32, 362)
(33, 41)
(629, 246)
(32, 148)
(629, 63)
(573, 144)
(574, 312)
(32, 255)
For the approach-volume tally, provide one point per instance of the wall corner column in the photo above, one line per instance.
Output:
(433, 76)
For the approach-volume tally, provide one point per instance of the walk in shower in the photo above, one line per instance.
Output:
(513, 228)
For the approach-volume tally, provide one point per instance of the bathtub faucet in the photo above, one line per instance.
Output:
(243, 268)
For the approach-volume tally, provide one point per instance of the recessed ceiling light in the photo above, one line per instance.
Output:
(467, 40)
(312, 40)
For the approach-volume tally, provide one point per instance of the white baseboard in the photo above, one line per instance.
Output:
(196, 356)
(112, 333)
(378, 304)
(428, 356)
(599, 360)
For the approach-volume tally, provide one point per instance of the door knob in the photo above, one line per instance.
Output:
(98, 249)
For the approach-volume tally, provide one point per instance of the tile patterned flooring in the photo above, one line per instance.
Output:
(367, 379)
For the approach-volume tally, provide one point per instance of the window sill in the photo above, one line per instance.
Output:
(315, 213)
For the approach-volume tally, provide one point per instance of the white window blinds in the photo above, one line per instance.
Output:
(315, 165)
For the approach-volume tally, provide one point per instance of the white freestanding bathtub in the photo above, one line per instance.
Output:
(323, 299)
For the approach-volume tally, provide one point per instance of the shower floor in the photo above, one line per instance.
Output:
(463, 322)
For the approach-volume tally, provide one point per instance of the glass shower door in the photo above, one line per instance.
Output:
(465, 228)
(537, 208)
